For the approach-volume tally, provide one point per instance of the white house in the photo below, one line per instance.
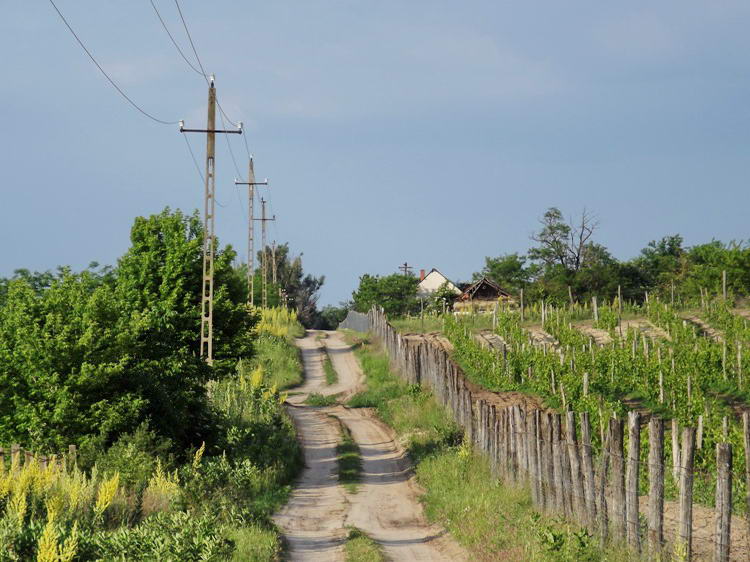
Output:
(431, 282)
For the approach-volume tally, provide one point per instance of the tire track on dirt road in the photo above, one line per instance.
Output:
(386, 505)
(313, 520)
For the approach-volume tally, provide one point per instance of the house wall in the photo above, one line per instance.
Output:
(431, 283)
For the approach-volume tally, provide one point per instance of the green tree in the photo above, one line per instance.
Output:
(92, 355)
(396, 293)
(508, 271)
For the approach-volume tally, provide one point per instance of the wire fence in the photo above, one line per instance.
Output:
(355, 321)
(648, 505)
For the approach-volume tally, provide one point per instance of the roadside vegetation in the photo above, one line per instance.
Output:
(178, 459)
(349, 460)
(318, 400)
(332, 377)
(503, 523)
(361, 548)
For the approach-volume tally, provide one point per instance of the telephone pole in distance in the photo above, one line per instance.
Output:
(251, 183)
(209, 223)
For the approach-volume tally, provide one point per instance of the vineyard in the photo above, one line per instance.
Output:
(674, 371)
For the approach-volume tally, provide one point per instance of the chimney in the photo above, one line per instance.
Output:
(421, 275)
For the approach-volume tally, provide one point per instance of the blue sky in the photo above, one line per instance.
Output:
(433, 132)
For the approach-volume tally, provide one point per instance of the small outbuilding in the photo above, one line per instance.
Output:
(481, 297)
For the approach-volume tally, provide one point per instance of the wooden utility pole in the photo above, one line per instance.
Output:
(273, 262)
(264, 255)
(406, 268)
(209, 223)
(251, 183)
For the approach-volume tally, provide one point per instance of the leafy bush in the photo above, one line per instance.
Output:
(104, 351)
(165, 536)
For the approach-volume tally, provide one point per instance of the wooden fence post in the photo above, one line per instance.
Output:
(631, 491)
(72, 456)
(549, 474)
(655, 486)
(676, 451)
(587, 467)
(723, 501)
(579, 501)
(685, 525)
(602, 491)
(15, 456)
(532, 432)
(557, 465)
(616, 430)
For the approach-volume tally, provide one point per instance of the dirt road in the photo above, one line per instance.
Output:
(385, 506)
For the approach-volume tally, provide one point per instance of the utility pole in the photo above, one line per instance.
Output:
(209, 224)
(273, 262)
(251, 183)
(264, 261)
(406, 268)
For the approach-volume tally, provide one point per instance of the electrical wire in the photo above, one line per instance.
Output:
(195, 52)
(176, 46)
(198, 169)
(111, 81)
(195, 161)
(247, 148)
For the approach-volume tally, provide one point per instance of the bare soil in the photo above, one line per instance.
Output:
(386, 505)
(601, 337)
(705, 327)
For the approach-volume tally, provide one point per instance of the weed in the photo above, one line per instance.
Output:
(361, 548)
(320, 401)
(349, 460)
(332, 377)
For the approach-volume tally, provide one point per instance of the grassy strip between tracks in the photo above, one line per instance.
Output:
(361, 548)
(332, 377)
(320, 400)
(491, 520)
(349, 460)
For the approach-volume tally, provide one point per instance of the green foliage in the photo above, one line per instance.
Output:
(608, 318)
(282, 363)
(411, 411)
(395, 293)
(86, 357)
(331, 316)
(503, 523)
(301, 289)
(321, 401)
(566, 257)
(332, 377)
(349, 461)
(508, 271)
(165, 536)
(361, 548)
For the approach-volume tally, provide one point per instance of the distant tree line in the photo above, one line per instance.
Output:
(567, 262)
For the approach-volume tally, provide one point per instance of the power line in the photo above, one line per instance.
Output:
(200, 64)
(123, 94)
(164, 25)
(195, 161)
(198, 169)
(195, 52)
